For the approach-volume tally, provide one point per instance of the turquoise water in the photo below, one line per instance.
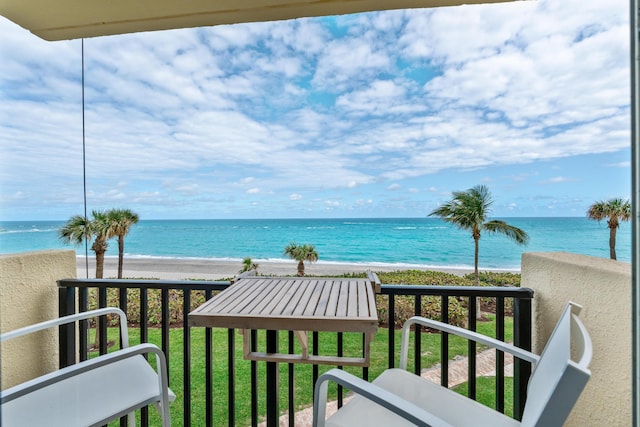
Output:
(423, 242)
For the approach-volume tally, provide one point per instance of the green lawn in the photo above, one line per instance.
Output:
(303, 373)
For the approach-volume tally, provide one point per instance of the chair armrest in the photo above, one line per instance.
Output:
(372, 392)
(88, 365)
(69, 319)
(465, 333)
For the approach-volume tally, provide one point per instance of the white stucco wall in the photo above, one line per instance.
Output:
(603, 287)
(29, 294)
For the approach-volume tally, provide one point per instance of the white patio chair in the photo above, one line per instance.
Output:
(92, 392)
(399, 398)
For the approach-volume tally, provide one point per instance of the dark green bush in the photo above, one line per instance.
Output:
(430, 306)
(420, 277)
(154, 310)
(489, 278)
(404, 306)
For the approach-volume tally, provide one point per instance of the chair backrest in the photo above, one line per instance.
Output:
(558, 380)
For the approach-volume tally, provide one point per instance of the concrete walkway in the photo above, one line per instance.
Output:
(485, 367)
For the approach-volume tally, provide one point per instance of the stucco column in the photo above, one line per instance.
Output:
(603, 287)
(29, 294)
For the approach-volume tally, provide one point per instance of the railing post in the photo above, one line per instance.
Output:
(444, 343)
(391, 346)
(521, 338)
(66, 333)
(273, 412)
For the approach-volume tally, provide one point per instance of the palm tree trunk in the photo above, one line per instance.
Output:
(612, 242)
(99, 264)
(120, 255)
(99, 247)
(475, 261)
(301, 268)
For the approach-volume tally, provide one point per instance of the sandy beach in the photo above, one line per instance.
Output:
(182, 269)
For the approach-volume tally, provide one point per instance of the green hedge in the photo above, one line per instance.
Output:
(404, 306)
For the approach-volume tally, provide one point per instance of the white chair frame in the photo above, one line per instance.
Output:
(554, 386)
(120, 382)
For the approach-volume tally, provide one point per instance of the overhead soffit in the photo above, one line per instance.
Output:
(71, 19)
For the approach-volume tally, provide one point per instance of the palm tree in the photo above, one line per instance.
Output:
(119, 223)
(78, 228)
(468, 210)
(248, 265)
(615, 210)
(301, 253)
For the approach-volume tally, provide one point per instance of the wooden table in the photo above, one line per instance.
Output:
(297, 304)
(293, 304)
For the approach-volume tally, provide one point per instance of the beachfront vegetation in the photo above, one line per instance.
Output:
(79, 228)
(248, 265)
(614, 211)
(119, 222)
(469, 210)
(492, 278)
(301, 253)
(102, 227)
(404, 306)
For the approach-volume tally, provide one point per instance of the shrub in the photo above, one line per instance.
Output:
(430, 307)
(404, 305)
(154, 310)
(490, 278)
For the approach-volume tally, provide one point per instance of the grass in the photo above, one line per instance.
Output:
(302, 373)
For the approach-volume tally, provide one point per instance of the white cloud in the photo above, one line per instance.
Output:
(340, 106)
(626, 164)
(558, 180)
(343, 61)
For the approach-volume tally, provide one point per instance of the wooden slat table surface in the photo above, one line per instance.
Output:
(285, 303)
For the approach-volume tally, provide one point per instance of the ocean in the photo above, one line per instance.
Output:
(402, 242)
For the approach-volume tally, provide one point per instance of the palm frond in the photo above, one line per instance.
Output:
(514, 233)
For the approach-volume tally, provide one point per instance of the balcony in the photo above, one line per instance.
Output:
(216, 386)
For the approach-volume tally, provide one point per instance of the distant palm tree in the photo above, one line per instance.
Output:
(468, 210)
(248, 265)
(615, 210)
(301, 253)
(78, 228)
(119, 223)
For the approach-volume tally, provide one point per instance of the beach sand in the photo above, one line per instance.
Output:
(183, 269)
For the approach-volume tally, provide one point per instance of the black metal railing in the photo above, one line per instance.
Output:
(220, 397)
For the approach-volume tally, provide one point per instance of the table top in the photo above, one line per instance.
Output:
(292, 303)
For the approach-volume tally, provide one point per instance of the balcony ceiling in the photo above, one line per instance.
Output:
(71, 19)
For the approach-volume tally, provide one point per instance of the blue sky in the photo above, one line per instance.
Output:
(368, 115)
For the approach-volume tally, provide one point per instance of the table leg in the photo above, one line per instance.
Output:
(273, 413)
